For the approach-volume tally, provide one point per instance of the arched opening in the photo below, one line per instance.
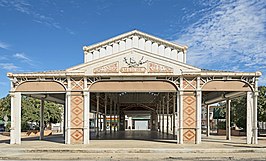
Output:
(47, 100)
(134, 110)
(218, 96)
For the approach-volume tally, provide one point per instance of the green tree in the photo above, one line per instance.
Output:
(52, 113)
(239, 111)
(5, 107)
(30, 111)
(262, 104)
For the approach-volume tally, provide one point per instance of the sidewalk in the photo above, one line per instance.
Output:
(212, 148)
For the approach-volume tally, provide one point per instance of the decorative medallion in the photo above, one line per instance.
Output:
(134, 65)
(109, 68)
(131, 62)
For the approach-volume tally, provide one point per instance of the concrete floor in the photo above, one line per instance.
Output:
(133, 145)
(150, 138)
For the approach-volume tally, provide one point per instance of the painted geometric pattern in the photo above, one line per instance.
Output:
(76, 111)
(189, 116)
(189, 135)
(189, 112)
(189, 121)
(76, 136)
(76, 118)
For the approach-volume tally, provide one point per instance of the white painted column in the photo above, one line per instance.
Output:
(163, 114)
(97, 114)
(111, 115)
(157, 117)
(105, 112)
(174, 110)
(177, 117)
(228, 126)
(249, 117)
(198, 116)
(181, 117)
(118, 116)
(255, 114)
(15, 130)
(86, 117)
(68, 111)
(208, 121)
(184, 56)
(167, 114)
(160, 114)
(114, 116)
(67, 117)
(42, 120)
(181, 111)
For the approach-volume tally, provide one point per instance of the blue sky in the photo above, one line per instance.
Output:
(49, 35)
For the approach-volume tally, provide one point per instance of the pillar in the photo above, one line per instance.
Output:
(198, 112)
(15, 130)
(174, 110)
(163, 115)
(249, 117)
(228, 126)
(167, 113)
(255, 114)
(115, 114)
(111, 103)
(86, 117)
(67, 117)
(154, 121)
(105, 112)
(42, 119)
(208, 121)
(97, 114)
(118, 117)
(160, 114)
(177, 118)
(181, 117)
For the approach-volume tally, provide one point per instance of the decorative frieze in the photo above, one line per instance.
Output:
(158, 68)
(133, 70)
(109, 68)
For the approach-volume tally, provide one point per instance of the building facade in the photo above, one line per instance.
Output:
(135, 74)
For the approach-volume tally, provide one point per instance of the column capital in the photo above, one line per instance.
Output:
(98, 95)
(12, 94)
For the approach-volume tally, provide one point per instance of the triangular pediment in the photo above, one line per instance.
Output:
(133, 62)
(135, 40)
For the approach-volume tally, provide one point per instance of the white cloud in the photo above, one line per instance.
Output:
(229, 36)
(8, 66)
(4, 45)
(25, 7)
(22, 57)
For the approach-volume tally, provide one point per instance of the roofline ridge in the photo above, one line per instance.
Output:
(132, 32)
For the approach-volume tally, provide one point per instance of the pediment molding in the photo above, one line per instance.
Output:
(140, 34)
(133, 61)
